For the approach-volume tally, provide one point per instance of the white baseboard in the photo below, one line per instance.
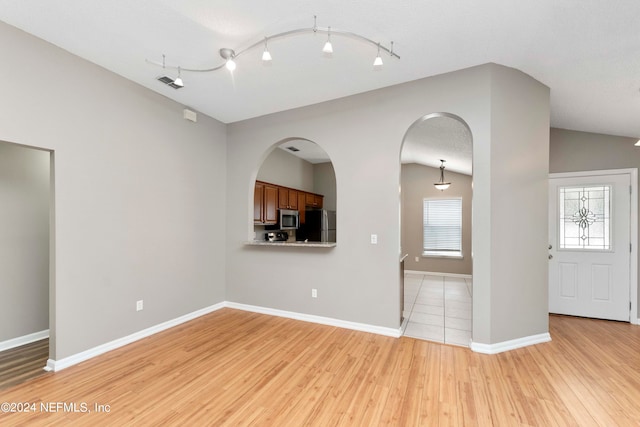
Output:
(435, 273)
(57, 365)
(509, 345)
(23, 340)
(363, 327)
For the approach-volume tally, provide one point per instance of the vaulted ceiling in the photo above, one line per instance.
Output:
(586, 51)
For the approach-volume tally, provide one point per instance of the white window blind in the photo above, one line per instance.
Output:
(442, 227)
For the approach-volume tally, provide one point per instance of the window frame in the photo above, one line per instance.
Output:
(441, 253)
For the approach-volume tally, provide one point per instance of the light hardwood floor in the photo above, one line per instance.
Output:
(236, 368)
(20, 364)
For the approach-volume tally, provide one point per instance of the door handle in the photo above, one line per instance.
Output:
(550, 256)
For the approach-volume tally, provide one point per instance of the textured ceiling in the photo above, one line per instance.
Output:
(586, 51)
(439, 138)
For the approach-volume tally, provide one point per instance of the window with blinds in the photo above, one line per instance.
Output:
(442, 227)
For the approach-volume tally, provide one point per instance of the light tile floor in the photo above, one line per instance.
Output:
(437, 308)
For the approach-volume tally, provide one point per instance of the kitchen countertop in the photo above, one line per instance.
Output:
(292, 244)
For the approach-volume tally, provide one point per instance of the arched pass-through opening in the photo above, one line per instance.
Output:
(435, 224)
(295, 194)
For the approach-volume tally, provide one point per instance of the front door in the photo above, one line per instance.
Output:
(589, 245)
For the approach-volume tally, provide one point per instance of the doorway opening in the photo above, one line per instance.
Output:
(26, 194)
(436, 229)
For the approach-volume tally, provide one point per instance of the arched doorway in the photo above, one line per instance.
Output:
(436, 229)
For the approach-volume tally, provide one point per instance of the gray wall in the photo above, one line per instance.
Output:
(417, 184)
(24, 241)
(519, 158)
(285, 169)
(139, 193)
(324, 182)
(357, 281)
(572, 151)
(139, 198)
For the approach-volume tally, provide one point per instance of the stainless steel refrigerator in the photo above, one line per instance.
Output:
(319, 226)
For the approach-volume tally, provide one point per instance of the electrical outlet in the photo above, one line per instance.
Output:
(314, 293)
(417, 259)
(139, 305)
(374, 239)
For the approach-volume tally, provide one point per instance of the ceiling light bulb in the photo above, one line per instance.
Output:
(377, 63)
(178, 80)
(328, 48)
(266, 56)
(231, 64)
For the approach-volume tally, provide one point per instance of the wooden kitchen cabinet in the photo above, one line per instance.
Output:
(313, 201)
(265, 203)
(287, 198)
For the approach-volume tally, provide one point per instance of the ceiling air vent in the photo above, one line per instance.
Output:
(294, 149)
(169, 82)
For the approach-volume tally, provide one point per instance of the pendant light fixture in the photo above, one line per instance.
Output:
(442, 185)
(230, 56)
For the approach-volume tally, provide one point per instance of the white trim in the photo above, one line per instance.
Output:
(509, 345)
(23, 340)
(435, 273)
(57, 365)
(633, 230)
(363, 327)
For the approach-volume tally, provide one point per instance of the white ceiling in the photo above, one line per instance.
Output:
(586, 51)
(307, 150)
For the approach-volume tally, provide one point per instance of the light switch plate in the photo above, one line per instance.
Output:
(374, 239)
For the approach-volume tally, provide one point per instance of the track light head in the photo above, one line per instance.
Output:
(328, 47)
(178, 81)
(266, 55)
(228, 55)
(377, 63)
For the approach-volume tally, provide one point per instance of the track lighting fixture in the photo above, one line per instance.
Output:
(230, 56)
(442, 185)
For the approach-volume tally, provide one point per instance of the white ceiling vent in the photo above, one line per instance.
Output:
(169, 82)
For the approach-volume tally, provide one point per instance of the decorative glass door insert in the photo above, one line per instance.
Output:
(585, 218)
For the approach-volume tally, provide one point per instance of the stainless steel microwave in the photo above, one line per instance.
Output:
(289, 219)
